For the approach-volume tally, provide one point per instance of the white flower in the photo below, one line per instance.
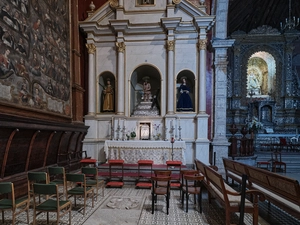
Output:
(255, 124)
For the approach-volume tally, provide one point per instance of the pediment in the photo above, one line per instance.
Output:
(187, 11)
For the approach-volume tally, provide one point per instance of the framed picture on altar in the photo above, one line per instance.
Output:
(145, 131)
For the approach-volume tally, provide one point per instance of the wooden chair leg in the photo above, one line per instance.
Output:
(187, 201)
(200, 201)
(168, 202)
(152, 203)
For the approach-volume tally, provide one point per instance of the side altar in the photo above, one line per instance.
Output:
(132, 151)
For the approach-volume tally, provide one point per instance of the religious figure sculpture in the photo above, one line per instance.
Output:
(147, 90)
(108, 98)
(253, 83)
(184, 102)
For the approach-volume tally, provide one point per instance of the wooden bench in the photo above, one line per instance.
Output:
(229, 198)
(280, 190)
(233, 170)
(200, 166)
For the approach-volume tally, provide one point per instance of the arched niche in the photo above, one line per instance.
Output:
(137, 80)
(104, 80)
(261, 74)
(264, 55)
(190, 83)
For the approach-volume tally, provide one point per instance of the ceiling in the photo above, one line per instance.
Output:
(245, 15)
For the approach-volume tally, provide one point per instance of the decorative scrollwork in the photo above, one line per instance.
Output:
(113, 3)
(91, 48)
(120, 46)
(170, 45)
(176, 1)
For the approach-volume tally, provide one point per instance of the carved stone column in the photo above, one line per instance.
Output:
(202, 73)
(120, 84)
(92, 79)
(220, 142)
(170, 94)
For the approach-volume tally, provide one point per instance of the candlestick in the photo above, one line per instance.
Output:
(112, 133)
(123, 133)
(118, 132)
(166, 129)
(179, 128)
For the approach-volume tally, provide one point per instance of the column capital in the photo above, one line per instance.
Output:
(113, 3)
(170, 45)
(202, 44)
(91, 48)
(120, 46)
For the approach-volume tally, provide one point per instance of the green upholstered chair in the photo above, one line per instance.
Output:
(76, 186)
(57, 176)
(92, 180)
(9, 203)
(50, 204)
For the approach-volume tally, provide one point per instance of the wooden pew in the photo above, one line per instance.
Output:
(229, 198)
(280, 190)
(233, 170)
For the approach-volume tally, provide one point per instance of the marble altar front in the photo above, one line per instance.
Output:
(132, 151)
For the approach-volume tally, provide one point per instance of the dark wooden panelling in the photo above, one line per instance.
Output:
(18, 152)
(52, 157)
(33, 145)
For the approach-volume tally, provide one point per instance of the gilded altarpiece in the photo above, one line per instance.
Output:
(280, 88)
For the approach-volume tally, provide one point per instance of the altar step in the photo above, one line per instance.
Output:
(130, 171)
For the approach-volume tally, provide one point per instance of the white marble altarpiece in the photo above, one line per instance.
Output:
(145, 49)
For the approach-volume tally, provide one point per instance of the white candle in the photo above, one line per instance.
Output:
(179, 121)
(112, 121)
(118, 122)
(124, 124)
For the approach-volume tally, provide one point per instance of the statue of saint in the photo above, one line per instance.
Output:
(184, 102)
(108, 97)
(253, 83)
(147, 90)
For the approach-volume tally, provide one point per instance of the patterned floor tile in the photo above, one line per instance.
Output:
(212, 214)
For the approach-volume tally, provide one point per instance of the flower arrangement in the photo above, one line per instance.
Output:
(254, 124)
(131, 134)
(157, 135)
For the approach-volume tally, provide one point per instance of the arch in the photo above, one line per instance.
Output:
(103, 78)
(277, 75)
(261, 74)
(136, 92)
(190, 83)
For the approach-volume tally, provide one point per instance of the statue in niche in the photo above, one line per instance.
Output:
(253, 84)
(184, 102)
(108, 97)
(147, 90)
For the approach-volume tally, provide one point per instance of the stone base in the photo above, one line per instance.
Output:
(249, 160)
(144, 109)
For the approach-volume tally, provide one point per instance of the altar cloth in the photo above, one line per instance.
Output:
(133, 151)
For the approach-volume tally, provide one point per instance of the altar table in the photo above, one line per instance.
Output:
(133, 151)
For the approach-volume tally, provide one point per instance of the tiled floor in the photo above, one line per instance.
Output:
(212, 213)
(131, 206)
